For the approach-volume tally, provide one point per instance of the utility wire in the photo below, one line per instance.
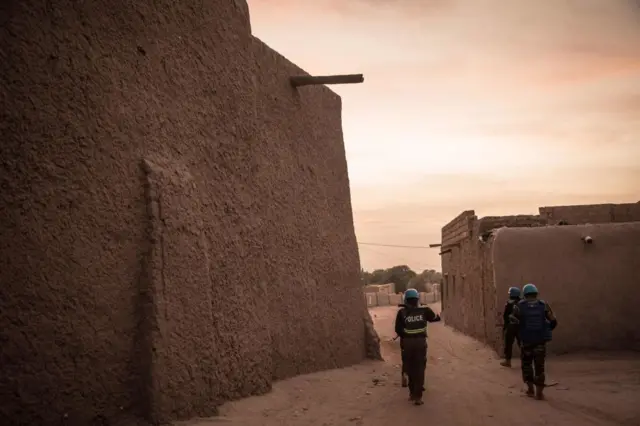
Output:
(393, 245)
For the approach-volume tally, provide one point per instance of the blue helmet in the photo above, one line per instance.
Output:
(514, 292)
(529, 289)
(411, 293)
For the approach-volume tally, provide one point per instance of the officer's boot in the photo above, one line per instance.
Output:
(539, 392)
(530, 390)
(404, 380)
(506, 363)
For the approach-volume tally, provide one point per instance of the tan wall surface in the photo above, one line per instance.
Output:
(395, 299)
(471, 302)
(388, 288)
(592, 288)
(383, 299)
(156, 166)
(593, 213)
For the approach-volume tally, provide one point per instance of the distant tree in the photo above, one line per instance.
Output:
(400, 275)
(378, 276)
(365, 277)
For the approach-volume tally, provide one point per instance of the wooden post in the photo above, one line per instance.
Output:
(307, 80)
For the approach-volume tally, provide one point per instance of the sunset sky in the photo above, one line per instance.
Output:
(494, 105)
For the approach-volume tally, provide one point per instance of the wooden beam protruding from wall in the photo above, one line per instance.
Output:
(307, 80)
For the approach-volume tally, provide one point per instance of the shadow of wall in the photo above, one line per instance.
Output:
(176, 223)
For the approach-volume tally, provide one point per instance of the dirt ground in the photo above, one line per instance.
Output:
(465, 386)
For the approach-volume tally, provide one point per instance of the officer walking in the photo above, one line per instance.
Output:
(411, 326)
(509, 331)
(535, 320)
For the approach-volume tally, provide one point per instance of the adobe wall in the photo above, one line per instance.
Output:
(591, 287)
(311, 256)
(592, 213)
(385, 299)
(468, 292)
(472, 287)
(156, 166)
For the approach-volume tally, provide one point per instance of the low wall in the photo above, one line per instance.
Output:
(395, 299)
(388, 288)
(383, 299)
(371, 299)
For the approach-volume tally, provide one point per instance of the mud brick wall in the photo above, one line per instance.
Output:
(593, 213)
(468, 294)
(591, 287)
(475, 283)
(454, 235)
(488, 223)
(307, 235)
(175, 219)
(395, 299)
(461, 274)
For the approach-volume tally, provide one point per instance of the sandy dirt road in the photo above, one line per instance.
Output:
(465, 386)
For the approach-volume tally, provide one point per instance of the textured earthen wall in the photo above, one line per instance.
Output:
(176, 226)
(475, 290)
(592, 213)
(591, 287)
(468, 292)
(454, 234)
(307, 224)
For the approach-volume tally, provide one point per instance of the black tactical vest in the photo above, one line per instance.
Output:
(415, 322)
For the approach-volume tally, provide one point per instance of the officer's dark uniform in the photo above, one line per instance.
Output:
(411, 326)
(509, 331)
(535, 320)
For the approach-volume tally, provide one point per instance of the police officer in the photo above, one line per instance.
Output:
(411, 326)
(509, 331)
(535, 320)
(404, 379)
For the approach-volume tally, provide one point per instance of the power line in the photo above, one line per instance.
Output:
(393, 245)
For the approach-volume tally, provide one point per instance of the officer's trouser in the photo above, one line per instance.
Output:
(533, 358)
(510, 336)
(415, 363)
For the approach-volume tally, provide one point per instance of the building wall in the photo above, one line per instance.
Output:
(466, 265)
(475, 290)
(592, 213)
(591, 287)
(176, 219)
(307, 223)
